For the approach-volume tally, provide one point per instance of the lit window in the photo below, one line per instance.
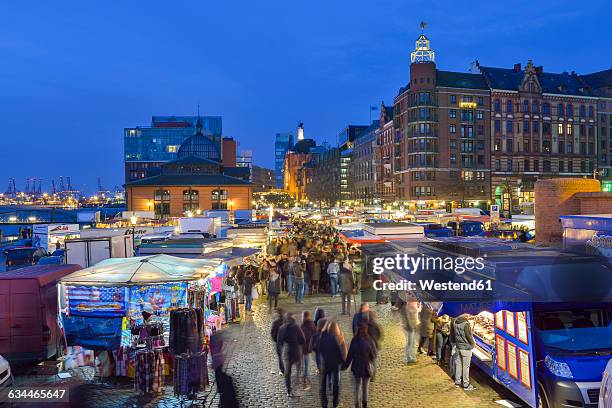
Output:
(171, 149)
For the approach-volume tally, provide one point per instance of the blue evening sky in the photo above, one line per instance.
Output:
(73, 74)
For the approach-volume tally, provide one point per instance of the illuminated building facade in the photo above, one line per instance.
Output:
(384, 191)
(544, 125)
(442, 136)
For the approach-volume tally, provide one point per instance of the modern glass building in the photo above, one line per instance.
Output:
(282, 143)
(146, 148)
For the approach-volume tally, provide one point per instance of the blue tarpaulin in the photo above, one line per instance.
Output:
(93, 333)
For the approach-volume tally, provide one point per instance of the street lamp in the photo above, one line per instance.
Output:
(133, 222)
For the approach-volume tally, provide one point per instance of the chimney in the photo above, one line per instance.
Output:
(517, 67)
(300, 131)
(539, 69)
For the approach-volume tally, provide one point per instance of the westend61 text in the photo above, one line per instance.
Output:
(430, 284)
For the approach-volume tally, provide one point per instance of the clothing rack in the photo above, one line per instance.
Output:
(149, 376)
(190, 373)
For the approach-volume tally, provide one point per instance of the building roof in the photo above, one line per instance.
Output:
(598, 80)
(460, 80)
(239, 172)
(511, 79)
(191, 160)
(189, 180)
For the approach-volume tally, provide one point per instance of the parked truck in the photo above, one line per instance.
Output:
(89, 251)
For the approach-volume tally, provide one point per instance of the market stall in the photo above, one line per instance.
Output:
(141, 316)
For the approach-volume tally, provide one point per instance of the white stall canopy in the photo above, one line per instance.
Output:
(142, 270)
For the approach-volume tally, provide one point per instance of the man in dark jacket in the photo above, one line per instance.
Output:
(331, 360)
(347, 286)
(461, 337)
(291, 337)
(249, 283)
(276, 325)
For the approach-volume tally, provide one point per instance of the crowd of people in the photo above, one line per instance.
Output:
(311, 259)
(321, 338)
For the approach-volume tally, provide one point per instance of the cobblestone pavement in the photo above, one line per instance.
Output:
(251, 361)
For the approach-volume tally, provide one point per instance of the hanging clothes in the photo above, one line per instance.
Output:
(190, 373)
(186, 331)
(149, 371)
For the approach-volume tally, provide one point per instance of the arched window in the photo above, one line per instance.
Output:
(591, 111)
(526, 106)
(219, 200)
(508, 106)
(560, 110)
(569, 110)
(191, 200)
(161, 200)
(497, 106)
(545, 108)
(582, 111)
(535, 107)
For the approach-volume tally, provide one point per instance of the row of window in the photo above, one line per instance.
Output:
(191, 201)
(534, 126)
(534, 165)
(534, 107)
(528, 147)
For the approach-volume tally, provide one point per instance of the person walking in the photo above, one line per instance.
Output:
(347, 287)
(461, 337)
(274, 287)
(410, 321)
(332, 270)
(316, 273)
(427, 318)
(249, 284)
(290, 265)
(361, 317)
(276, 325)
(290, 337)
(442, 332)
(360, 358)
(333, 353)
(298, 271)
(308, 328)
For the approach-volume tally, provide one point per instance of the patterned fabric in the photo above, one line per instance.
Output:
(149, 371)
(190, 373)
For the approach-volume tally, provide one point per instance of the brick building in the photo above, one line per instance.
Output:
(544, 125)
(442, 135)
(189, 184)
(384, 191)
(263, 179)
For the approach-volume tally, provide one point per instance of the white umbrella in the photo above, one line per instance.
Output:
(142, 270)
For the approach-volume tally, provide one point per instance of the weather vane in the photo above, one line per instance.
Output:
(423, 25)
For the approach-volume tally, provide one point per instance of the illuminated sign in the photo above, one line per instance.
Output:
(467, 105)
(606, 186)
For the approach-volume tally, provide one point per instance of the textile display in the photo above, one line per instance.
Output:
(93, 333)
(190, 373)
(216, 284)
(149, 371)
(159, 300)
(196, 298)
(122, 359)
(96, 301)
(186, 331)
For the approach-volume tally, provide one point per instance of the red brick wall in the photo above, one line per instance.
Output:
(555, 197)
